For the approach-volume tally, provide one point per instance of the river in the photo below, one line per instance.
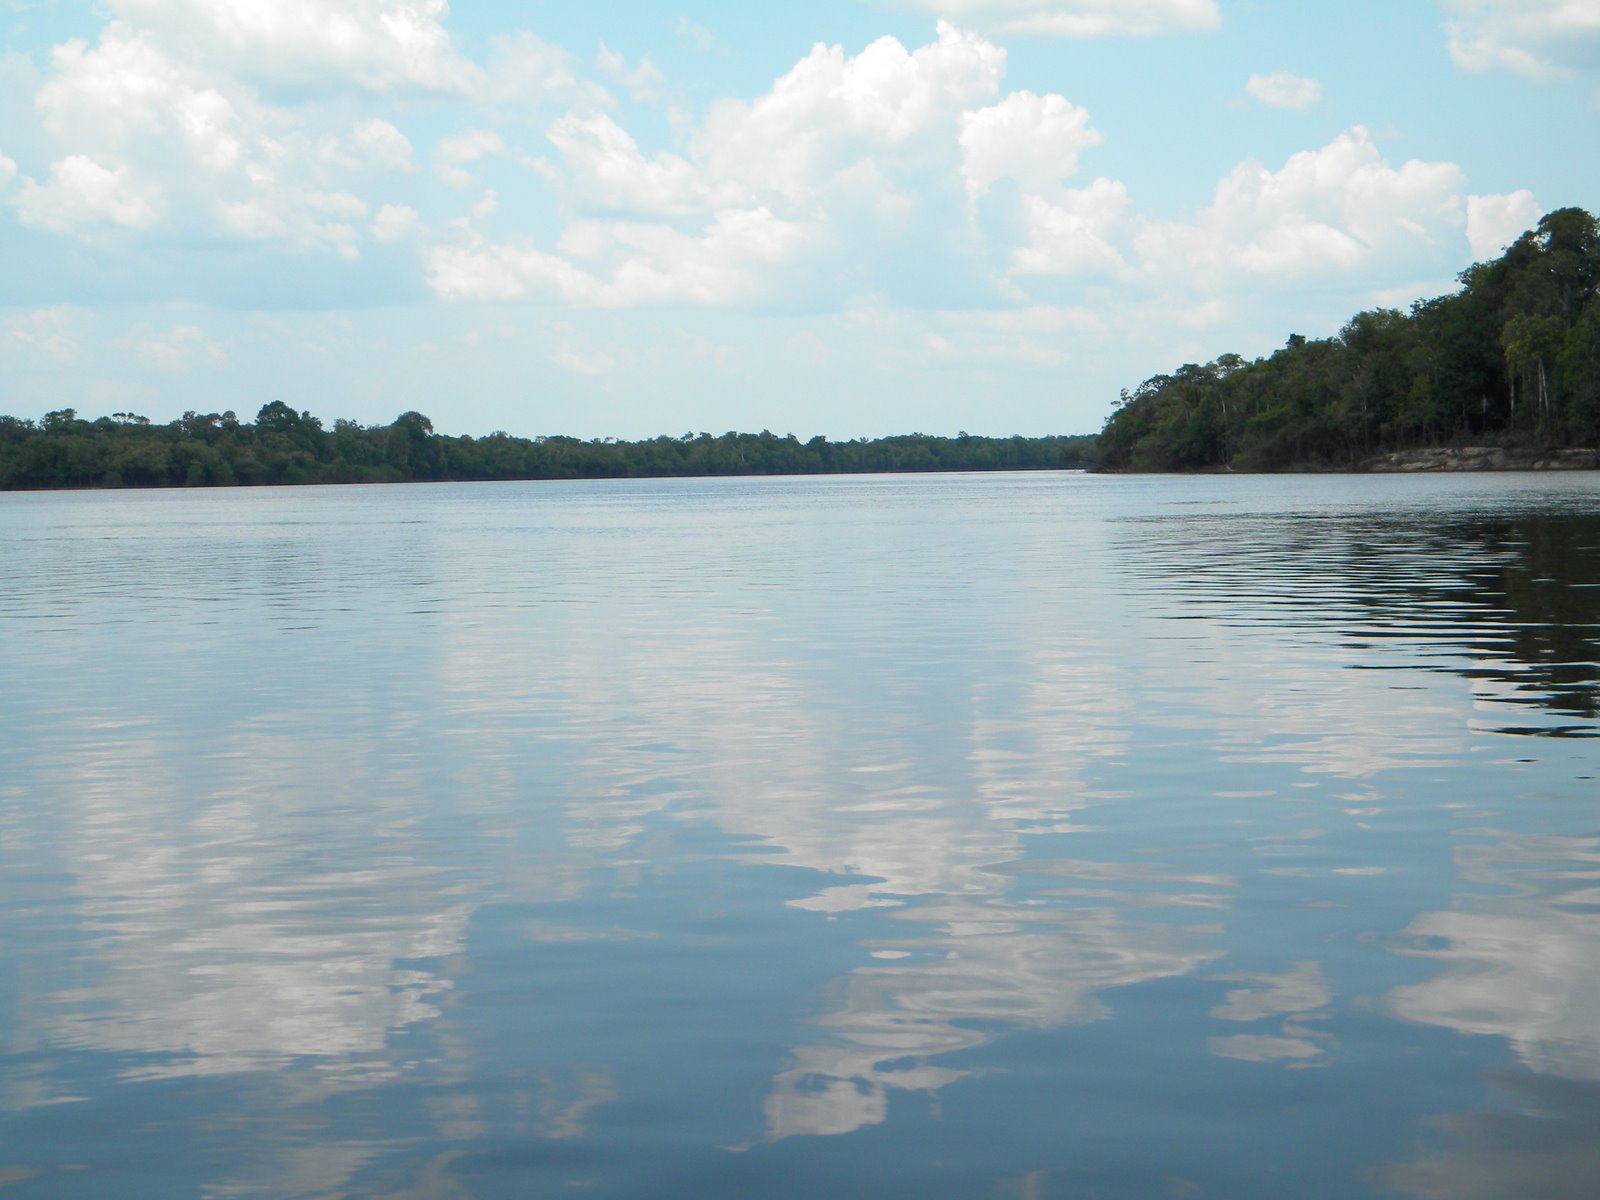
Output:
(1017, 836)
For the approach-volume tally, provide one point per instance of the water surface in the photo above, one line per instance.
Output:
(937, 836)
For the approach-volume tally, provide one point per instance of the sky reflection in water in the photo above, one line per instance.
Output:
(1014, 836)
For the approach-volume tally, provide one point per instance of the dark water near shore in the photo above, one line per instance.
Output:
(951, 836)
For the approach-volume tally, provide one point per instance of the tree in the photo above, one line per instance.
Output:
(1532, 345)
(1570, 240)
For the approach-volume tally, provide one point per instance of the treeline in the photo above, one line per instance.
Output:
(1513, 358)
(283, 446)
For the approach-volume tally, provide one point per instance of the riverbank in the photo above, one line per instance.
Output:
(1417, 461)
(1483, 458)
(286, 447)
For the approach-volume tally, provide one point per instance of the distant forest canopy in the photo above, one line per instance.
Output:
(1513, 358)
(287, 447)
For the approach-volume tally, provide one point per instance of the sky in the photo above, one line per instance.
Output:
(846, 217)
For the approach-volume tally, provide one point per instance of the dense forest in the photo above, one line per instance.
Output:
(284, 446)
(1511, 359)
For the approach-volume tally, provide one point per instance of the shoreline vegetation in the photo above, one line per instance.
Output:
(1503, 374)
(282, 446)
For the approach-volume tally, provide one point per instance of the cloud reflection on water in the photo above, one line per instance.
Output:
(923, 797)
(239, 933)
(975, 966)
(996, 776)
(1295, 994)
(1518, 957)
(1519, 954)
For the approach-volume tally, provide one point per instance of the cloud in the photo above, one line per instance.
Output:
(395, 223)
(606, 169)
(831, 110)
(380, 144)
(370, 45)
(1072, 235)
(618, 264)
(595, 363)
(8, 172)
(453, 153)
(698, 37)
(212, 118)
(179, 349)
(853, 156)
(1537, 38)
(81, 193)
(1532, 1136)
(1520, 958)
(889, 175)
(1251, 1047)
(310, 219)
(1038, 335)
(126, 91)
(1034, 140)
(524, 69)
(570, 351)
(643, 81)
(1283, 89)
(1080, 18)
(1331, 209)
(1494, 222)
(54, 331)
(1404, 295)
(228, 165)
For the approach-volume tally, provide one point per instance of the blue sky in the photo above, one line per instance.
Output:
(848, 217)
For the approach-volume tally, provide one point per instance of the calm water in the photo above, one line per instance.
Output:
(1040, 836)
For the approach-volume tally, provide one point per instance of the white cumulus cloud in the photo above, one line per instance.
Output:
(851, 156)
(617, 264)
(1284, 89)
(1328, 209)
(82, 193)
(1080, 18)
(374, 45)
(831, 109)
(126, 91)
(313, 219)
(8, 172)
(1537, 38)
(395, 223)
(380, 144)
(607, 169)
(226, 162)
(524, 69)
(1034, 140)
(1074, 234)
(1494, 222)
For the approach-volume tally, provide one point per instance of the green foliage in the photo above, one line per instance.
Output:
(286, 447)
(1514, 356)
